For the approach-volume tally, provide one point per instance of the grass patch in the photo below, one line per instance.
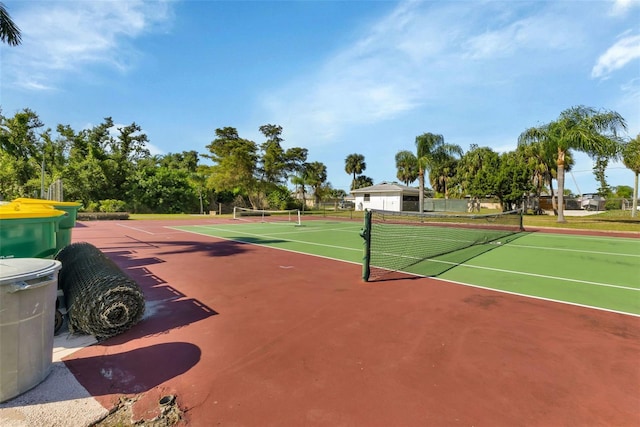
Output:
(614, 220)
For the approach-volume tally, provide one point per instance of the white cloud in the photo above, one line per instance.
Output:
(418, 55)
(621, 7)
(65, 36)
(544, 31)
(617, 56)
(377, 77)
(154, 150)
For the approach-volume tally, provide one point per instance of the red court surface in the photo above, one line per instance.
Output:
(244, 335)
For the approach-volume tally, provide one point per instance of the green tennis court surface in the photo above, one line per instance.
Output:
(599, 272)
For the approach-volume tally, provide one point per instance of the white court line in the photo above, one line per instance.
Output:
(537, 297)
(515, 245)
(271, 247)
(543, 235)
(446, 262)
(339, 230)
(135, 228)
(543, 276)
(522, 273)
(270, 236)
(436, 278)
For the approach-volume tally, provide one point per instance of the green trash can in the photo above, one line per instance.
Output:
(63, 236)
(28, 293)
(29, 231)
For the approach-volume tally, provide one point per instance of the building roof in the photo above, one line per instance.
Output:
(387, 187)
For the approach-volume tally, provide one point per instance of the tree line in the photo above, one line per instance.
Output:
(542, 156)
(107, 169)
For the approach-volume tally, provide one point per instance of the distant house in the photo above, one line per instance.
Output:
(386, 196)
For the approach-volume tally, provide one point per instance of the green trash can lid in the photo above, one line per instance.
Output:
(13, 270)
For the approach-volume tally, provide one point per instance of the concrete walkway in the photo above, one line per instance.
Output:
(49, 403)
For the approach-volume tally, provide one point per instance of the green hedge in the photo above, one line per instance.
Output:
(102, 216)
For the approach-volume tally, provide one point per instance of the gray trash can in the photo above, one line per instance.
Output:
(28, 292)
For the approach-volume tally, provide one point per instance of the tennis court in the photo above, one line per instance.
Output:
(272, 325)
(592, 271)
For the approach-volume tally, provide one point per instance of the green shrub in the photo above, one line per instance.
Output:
(100, 216)
(111, 205)
(613, 204)
(93, 207)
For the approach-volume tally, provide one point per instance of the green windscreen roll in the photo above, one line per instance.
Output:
(395, 241)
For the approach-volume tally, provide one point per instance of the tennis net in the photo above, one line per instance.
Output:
(395, 241)
(261, 215)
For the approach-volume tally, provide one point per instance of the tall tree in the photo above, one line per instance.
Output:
(580, 128)
(272, 161)
(362, 181)
(431, 149)
(407, 166)
(161, 189)
(477, 171)
(316, 176)
(513, 180)
(296, 158)
(21, 141)
(354, 165)
(631, 159)
(187, 160)
(125, 151)
(300, 182)
(442, 174)
(235, 161)
(541, 163)
(599, 170)
(9, 31)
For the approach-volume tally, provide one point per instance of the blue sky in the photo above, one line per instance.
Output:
(340, 77)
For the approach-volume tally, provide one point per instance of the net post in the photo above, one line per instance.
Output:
(521, 220)
(365, 233)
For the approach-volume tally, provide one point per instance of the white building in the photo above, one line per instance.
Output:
(387, 196)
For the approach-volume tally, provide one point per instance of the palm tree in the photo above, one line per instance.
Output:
(581, 128)
(542, 162)
(407, 166)
(300, 181)
(431, 150)
(362, 181)
(9, 31)
(442, 173)
(354, 164)
(631, 159)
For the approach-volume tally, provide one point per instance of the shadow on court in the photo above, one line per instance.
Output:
(166, 308)
(128, 372)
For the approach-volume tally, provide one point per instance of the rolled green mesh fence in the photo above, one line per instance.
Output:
(101, 299)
